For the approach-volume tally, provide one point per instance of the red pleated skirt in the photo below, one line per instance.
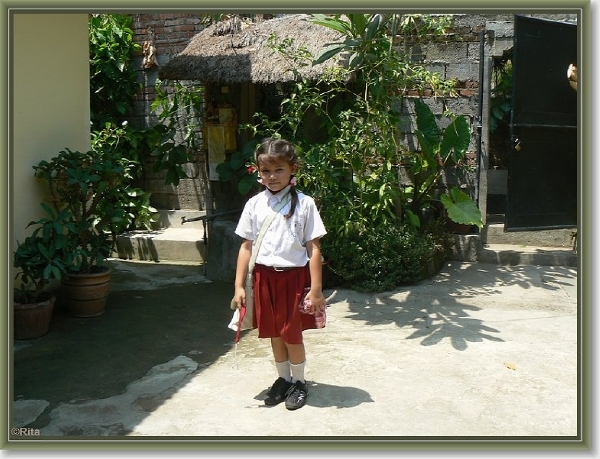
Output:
(276, 298)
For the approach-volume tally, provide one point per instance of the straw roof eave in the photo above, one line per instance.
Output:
(245, 56)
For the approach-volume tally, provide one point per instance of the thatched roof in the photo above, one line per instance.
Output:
(235, 51)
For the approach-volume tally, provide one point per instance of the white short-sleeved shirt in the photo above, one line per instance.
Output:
(284, 244)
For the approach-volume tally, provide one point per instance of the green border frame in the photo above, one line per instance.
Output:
(587, 412)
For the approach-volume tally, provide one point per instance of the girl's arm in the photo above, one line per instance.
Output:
(315, 295)
(241, 271)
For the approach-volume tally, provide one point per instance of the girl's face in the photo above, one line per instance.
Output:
(276, 174)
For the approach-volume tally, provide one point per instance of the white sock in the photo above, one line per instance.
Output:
(283, 370)
(298, 371)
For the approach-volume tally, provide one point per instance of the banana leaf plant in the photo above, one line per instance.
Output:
(439, 150)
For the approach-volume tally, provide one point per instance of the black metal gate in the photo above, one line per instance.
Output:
(542, 177)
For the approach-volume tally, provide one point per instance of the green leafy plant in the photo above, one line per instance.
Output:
(179, 108)
(94, 188)
(501, 95)
(240, 169)
(347, 127)
(381, 258)
(461, 208)
(78, 181)
(351, 153)
(114, 88)
(126, 146)
(40, 257)
(113, 78)
(439, 150)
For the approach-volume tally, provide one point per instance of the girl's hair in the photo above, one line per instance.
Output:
(279, 149)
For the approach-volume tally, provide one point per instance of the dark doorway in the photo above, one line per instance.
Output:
(542, 178)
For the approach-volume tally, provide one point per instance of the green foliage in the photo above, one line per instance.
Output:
(382, 69)
(92, 201)
(439, 149)
(80, 182)
(346, 126)
(114, 87)
(126, 146)
(501, 95)
(40, 257)
(113, 79)
(461, 208)
(240, 169)
(179, 109)
(379, 259)
(351, 168)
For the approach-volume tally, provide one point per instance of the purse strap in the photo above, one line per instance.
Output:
(263, 229)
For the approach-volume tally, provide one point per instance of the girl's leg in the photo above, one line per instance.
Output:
(280, 350)
(278, 391)
(297, 357)
(280, 354)
(296, 353)
(296, 397)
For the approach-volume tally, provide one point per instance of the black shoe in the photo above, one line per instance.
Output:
(296, 396)
(276, 394)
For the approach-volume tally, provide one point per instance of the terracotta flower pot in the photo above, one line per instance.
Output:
(33, 320)
(85, 295)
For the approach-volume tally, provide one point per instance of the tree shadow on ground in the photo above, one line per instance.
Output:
(442, 307)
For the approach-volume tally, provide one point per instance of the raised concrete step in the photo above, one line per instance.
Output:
(543, 247)
(169, 245)
(171, 241)
(512, 254)
(493, 245)
(494, 234)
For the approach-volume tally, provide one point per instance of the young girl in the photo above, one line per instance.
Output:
(289, 259)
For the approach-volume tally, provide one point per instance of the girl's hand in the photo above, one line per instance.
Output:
(317, 301)
(240, 297)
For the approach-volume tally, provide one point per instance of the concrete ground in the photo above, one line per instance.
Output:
(478, 350)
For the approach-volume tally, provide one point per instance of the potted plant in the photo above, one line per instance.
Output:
(86, 190)
(39, 261)
(440, 150)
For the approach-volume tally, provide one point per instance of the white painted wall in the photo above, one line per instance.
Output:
(50, 106)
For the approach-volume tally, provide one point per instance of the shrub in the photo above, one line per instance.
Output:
(382, 258)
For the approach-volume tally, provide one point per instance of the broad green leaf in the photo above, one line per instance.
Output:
(426, 146)
(426, 122)
(355, 60)
(247, 184)
(373, 26)
(328, 53)
(413, 219)
(358, 23)
(331, 23)
(461, 208)
(456, 138)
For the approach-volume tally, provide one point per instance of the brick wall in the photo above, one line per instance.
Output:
(169, 34)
